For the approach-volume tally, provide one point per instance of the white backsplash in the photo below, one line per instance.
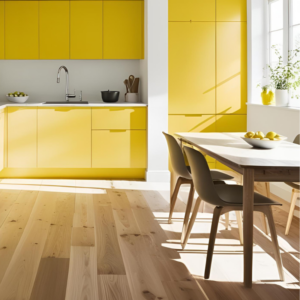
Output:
(37, 78)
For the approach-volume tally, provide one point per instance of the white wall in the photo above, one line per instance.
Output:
(155, 69)
(37, 78)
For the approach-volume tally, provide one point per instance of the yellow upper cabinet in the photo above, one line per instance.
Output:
(231, 10)
(192, 68)
(64, 137)
(123, 30)
(231, 67)
(54, 29)
(192, 10)
(86, 29)
(21, 29)
(1, 29)
(22, 137)
(119, 118)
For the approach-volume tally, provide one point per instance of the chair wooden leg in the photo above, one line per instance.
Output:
(226, 221)
(212, 238)
(264, 224)
(269, 214)
(295, 195)
(240, 225)
(174, 199)
(188, 212)
(191, 223)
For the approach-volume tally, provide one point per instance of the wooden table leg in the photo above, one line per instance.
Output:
(248, 225)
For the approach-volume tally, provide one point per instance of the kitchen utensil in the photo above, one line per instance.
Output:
(132, 97)
(264, 144)
(126, 84)
(131, 81)
(17, 99)
(135, 86)
(110, 96)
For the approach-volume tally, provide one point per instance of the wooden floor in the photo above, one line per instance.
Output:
(86, 240)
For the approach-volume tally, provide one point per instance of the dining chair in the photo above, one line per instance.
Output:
(225, 198)
(295, 195)
(182, 175)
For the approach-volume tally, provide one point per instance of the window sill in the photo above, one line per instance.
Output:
(291, 108)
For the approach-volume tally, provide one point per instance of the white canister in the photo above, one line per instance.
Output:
(281, 97)
(132, 97)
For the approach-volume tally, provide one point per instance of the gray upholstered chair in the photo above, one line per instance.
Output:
(225, 198)
(183, 176)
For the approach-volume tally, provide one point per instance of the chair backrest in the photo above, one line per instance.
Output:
(176, 157)
(297, 139)
(202, 179)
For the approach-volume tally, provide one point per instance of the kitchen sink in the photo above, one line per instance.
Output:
(66, 102)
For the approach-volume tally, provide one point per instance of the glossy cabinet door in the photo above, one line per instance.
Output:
(22, 137)
(231, 10)
(231, 123)
(119, 118)
(1, 29)
(123, 29)
(192, 10)
(119, 149)
(54, 29)
(2, 138)
(86, 29)
(64, 137)
(231, 67)
(192, 68)
(21, 30)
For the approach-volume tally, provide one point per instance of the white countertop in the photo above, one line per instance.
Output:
(91, 104)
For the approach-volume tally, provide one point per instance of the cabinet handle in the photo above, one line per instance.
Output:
(117, 130)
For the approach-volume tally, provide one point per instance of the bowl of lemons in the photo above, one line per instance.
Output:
(17, 97)
(258, 140)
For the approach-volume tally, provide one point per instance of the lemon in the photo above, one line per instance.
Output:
(259, 135)
(249, 134)
(271, 135)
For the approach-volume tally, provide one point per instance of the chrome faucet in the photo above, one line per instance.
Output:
(67, 82)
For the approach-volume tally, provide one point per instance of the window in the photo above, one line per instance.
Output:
(284, 33)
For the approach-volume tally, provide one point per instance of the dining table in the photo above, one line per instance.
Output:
(281, 164)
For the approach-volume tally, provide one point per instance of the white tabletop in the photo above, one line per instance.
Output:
(232, 148)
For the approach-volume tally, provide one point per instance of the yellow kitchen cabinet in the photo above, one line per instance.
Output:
(192, 68)
(22, 29)
(119, 149)
(1, 29)
(192, 10)
(231, 68)
(86, 29)
(119, 118)
(231, 123)
(2, 138)
(22, 137)
(54, 29)
(231, 10)
(64, 137)
(123, 29)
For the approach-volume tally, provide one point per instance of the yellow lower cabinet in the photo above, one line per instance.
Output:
(64, 137)
(231, 123)
(119, 149)
(2, 138)
(22, 137)
(119, 118)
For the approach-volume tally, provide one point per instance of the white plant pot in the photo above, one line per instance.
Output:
(281, 97)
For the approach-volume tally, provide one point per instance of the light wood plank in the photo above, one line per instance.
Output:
(82, 280)
(84, 211)
(109, 257)
(8, 197)
(14, 226)
(51, 279)
(113, 287)
(84, 237)
(59, 237)
(19, 278)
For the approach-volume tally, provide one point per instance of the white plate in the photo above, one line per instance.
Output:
(17, 99)
(263, 143)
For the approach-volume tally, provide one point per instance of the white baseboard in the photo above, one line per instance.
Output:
(158, 176)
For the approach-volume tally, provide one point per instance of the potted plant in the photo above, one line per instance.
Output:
(285, 77)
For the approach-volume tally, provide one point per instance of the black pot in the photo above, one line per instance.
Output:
(109, 96)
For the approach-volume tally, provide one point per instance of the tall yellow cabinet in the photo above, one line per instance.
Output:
(207, 66)
(1, 29)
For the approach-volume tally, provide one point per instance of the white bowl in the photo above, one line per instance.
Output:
(264, 144)
(17, 99)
